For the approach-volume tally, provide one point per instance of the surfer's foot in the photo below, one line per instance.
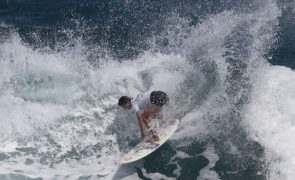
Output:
(155, 138)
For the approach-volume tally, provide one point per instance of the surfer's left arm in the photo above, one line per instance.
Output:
(140, 122)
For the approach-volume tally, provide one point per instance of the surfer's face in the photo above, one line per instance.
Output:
(127, 105)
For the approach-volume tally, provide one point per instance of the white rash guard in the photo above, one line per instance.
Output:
(141, 101)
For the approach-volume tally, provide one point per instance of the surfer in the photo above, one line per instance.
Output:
(145, 105)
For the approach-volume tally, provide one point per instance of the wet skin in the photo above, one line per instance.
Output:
(150, 110)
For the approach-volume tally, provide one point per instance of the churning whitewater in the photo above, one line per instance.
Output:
(61, 76)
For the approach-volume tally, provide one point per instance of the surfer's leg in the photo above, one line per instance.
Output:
(146, 114)
(155, 138)
(150, 111)
(156, 112)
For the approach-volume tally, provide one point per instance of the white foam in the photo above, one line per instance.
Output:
(206, 172)
(271, 119)
(72, 89)
(21, 117)
(9, 146)
(37, 91)
(40, 89)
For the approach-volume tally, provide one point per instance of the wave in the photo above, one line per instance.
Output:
(59, 114)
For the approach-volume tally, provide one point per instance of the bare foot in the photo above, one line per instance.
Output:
(155, 138)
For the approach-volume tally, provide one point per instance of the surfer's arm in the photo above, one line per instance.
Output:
(140, 122)
(145, 122)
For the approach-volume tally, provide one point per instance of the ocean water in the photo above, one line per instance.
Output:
(228, 67)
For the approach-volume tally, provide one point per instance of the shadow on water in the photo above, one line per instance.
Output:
(126, 170)
(165, 161)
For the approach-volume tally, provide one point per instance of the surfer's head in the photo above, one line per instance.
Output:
(125, 102)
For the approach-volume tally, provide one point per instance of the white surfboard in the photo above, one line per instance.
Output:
(145, 147)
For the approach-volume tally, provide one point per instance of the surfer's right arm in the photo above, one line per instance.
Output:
(140, 122)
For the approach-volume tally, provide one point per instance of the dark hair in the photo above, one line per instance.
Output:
(123, 100)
